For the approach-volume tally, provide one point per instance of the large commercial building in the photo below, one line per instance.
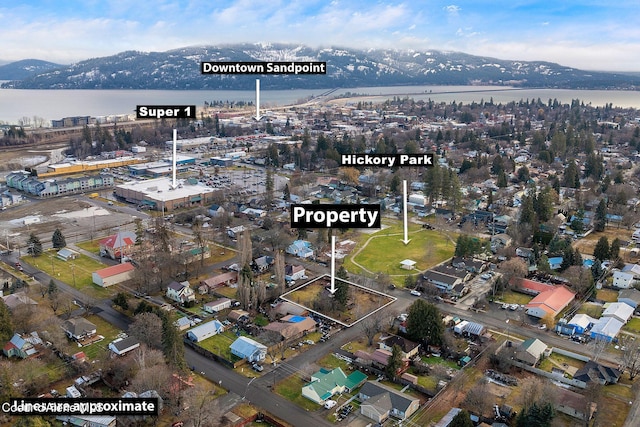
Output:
(51, 187)
(160, 194)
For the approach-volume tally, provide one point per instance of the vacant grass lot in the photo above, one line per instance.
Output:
(588, 243)
(591, 309)
(511, 297)
(383, 250)
(291, 388)
(607, 295)
(76, 273)
(219, 344)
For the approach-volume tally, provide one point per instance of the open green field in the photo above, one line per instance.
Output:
(76, 272)
(385, 248)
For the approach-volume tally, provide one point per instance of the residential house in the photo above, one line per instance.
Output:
(292, 327)
(217, 305)
(550, 303)
(122, 346)
(224, 279)
(294, 272)
(471, 265)
(65, 254)
(205, 330)
(573, 404)
(327, 383)
(262, 264)
(180, 292)
(633, 269)
(606, 328)
(379, 402)
(618, 310)
(300, 248)
(117, 245)
(530, 351)
(444, 282)
(79, 328)
(630, 296)
(580, 323)
(236, 231)
(408, 347)
(183, 323)
(460, 273)
(596, 372)
(216, 210)
(22, 347)
(246, 348)
(623, 280)
(17, 299)
(113, 275)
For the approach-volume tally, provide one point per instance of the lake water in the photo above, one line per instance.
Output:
(56, 104)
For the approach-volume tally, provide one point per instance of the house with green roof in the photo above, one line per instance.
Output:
(326, 383)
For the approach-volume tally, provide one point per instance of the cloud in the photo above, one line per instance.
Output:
(452, 9)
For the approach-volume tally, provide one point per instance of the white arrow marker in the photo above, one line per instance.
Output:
(258, 116)
(333, 265)
(404, 212)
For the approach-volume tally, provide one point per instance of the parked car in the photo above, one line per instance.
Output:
(257, 368)
(415, 293)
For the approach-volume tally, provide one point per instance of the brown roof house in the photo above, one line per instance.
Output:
(408, 347)
(380, 402)
(292, 327)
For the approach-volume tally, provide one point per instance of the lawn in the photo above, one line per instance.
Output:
(633, 325)
(219, 344)
(108, 331)
(511, 297)
(607, 295)
(588, 243)
(331, 362)
(432, 360)
(593, 310)
(226, 291)
(385, 248)
(359, 344)
(90, 245)
(76, 273)
(291, 388)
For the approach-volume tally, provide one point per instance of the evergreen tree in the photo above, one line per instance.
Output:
(601, 250)
(6, 325)
(172, 345)
(502, 180)
(462, 419)
(538, 415)
(341, 295)
(600, 218)
(121, 300)
(58, 241)
(614, 249)
(34, 245)
(394, 362)
(424, 323)
(52, 290)
(286, 193)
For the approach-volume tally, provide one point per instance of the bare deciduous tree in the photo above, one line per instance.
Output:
(147, 328)
(631, 358)
(371, 325)
(201, 407)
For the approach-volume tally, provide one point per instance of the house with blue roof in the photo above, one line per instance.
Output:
(19, 347)
(246, 348)
(555, 262)
(300, 248)
(326, 383)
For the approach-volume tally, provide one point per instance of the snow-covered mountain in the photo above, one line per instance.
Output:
(180, 69)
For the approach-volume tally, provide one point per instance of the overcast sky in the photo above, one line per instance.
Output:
(585, 34)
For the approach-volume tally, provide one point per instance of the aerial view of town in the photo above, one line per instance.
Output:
(458, 248)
